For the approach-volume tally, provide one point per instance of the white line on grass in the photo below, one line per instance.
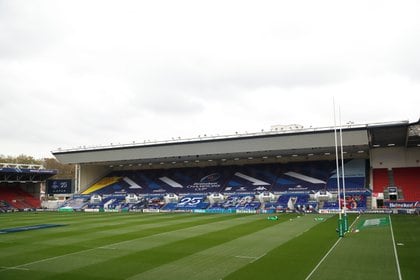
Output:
(326, 255)
(245, 257)
(13, 267)
(47, 259)
(108, 246)
(395, 249)
(257, 258)
(253, 259)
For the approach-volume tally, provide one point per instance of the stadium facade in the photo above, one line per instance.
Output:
(381, 162)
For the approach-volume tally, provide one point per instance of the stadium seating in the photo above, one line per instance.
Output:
(355, 176)
(241, 202)
(408, 180)
(330, 205)
(355, 201)
(17, 198)
(277, 178)
(405, 179)
(154, 201)
(191, 202)
(77, 202)
(5, 207)
(240, 184)
(99, 186)
(380, 180)
(135, 206)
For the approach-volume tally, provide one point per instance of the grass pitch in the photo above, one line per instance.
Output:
(206, 246)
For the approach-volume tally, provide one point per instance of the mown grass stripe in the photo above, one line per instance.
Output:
(395, 248)
(81, 235)
(158, 229)
(15, 257)
(82, 227)
(117, 221)
(407, 234)
(294, 258)
(142, 260)
(323, 258)
(362, 252)
(218, 261)
(367, 254)
(329, 251)
(88, 220)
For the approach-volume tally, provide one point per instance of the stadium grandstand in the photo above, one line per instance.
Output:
(289, 168)
(22, 186)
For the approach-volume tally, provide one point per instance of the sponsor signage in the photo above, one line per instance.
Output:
(190, 201)
(403, 204)
(202, 187)
(208, 183)
(59, 186)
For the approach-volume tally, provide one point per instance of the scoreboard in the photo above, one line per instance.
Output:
(59, 186)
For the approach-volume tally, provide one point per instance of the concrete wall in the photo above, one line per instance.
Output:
(89, 174)
(395, 157)
(392, 157)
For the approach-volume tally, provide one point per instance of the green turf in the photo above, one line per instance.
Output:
(294, 259)
(202, 246)
(407, 239)
(366, 254)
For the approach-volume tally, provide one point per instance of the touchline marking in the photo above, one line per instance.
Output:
(13, 267)
(326, 255)
(395, 249)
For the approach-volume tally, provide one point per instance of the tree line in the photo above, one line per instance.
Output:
(65, 171)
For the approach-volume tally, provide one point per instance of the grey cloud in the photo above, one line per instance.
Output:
(23, 32)
(171, 103)
(68, 80)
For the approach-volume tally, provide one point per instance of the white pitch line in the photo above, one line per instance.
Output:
(13, 267)
(253, 259)
(47, 259)
(326, 255)
(75, 253)
(69, 254)
(395, 249)
(245, 257)
(257, 258)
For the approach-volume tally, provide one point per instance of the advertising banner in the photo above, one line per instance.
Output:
(59, 186)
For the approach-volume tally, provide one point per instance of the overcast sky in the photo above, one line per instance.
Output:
(75, 73)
